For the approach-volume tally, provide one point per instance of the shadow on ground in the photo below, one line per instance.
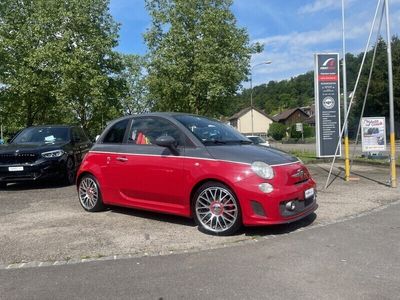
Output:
(35, 185)
(247, 231)
(165, 218)
(279, 229)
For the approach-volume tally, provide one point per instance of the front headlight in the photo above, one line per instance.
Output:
(52, 154)
(262, 169)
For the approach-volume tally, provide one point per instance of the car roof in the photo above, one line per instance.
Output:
(156, 114)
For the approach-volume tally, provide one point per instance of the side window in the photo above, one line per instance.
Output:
(144, 131)
(115, 134)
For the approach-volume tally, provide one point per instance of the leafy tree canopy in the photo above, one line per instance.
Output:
(198, 57)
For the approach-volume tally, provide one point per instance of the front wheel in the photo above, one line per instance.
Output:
(216, 209)
(89, 194)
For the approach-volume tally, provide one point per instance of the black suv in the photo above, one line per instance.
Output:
(40, 152)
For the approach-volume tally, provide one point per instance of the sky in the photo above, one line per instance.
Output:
(291, 30)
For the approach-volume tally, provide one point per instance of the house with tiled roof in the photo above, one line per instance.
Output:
(242, 121)
(291, 116)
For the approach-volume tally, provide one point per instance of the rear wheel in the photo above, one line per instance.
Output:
(89, 194)
(216, 209)
(3, 185)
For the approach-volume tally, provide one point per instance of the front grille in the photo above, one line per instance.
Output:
(17, 158)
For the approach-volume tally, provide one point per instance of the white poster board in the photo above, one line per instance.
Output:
(373, 134)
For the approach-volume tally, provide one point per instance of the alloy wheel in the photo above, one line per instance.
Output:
(216, 209)
(88, 193)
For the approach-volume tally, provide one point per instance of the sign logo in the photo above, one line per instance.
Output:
(329, 64)
(328, 102)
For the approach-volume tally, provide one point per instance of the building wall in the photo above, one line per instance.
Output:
(297, 117)
(260, 123)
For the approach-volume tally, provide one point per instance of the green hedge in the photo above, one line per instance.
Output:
(277, 131)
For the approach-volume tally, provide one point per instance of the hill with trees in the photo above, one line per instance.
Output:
(298, 91)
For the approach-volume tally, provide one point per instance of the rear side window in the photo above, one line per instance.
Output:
(78, 135)
(82, 135)
(115, 134)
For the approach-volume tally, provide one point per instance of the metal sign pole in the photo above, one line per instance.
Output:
(346, 134)
(354, 91)
(393, 179)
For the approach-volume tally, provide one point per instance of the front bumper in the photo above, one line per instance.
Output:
(259, 208)
(38, 170)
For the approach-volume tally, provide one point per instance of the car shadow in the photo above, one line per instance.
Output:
(278, 229)
(36, 185)
(173, 219)
(247, 231)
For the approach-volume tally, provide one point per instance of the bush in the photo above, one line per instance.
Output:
(277, 131)
(308, 131)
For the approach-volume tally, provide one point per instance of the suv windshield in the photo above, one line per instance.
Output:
(210, 131)
(42, 135)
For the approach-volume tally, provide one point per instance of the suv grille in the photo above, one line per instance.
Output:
(18, 158)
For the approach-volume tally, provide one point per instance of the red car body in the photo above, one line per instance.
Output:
(161, 181)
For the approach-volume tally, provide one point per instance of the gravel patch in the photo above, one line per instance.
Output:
(45, 223)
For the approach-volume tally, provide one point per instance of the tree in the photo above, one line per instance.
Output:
(28, 61)
(135, 98)
(197, 55)
(59, 64)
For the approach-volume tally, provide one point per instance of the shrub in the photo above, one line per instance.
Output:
(308, 131)
(277, 131)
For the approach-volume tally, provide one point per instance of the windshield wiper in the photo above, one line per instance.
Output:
(215, 142)
(241, 142)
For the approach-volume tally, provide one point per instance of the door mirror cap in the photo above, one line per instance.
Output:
(166, 141)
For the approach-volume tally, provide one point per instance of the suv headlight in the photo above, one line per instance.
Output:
(52, 154)
(262, 169)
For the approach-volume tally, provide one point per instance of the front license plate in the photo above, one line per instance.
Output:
(15, 169)
(309, 193)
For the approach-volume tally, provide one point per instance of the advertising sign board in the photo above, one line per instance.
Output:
(373, 134)
(327, 104)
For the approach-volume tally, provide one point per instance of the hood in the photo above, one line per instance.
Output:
(32, 148)
(251, 153)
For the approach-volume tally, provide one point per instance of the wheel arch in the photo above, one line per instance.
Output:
(79, 177)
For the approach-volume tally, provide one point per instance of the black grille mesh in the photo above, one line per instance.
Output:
(18, 158)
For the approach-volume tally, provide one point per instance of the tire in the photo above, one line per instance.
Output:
(216, 209)
(3, 185)
(70, 172)
(89, 194)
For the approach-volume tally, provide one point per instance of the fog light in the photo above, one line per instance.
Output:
(265, 187)
(291, 206)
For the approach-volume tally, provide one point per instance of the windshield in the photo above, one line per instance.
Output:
(210, 131)
(42, 135)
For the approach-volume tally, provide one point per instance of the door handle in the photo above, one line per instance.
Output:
(123, 159)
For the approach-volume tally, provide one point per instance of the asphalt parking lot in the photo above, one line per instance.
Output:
(45, 223)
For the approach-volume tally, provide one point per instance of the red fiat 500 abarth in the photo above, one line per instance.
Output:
(196, 167)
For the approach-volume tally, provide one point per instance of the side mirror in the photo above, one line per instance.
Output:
(166, 141)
